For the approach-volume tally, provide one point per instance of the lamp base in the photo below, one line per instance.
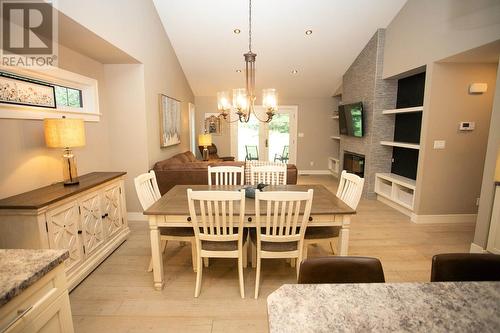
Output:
(205, 154)
(70, 174)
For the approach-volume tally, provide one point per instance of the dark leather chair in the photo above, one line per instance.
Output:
(341, 270)
(465, 267)
(212, 153)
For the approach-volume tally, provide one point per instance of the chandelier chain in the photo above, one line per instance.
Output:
(250, 25)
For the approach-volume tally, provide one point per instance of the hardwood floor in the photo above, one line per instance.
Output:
(119, 297)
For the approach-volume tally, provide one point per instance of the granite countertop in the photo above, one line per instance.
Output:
(386, 307)
(19, 269)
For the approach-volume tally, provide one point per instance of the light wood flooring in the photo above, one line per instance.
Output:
(119, 296)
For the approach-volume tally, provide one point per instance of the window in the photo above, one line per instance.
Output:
(48, 93)
(68, 97)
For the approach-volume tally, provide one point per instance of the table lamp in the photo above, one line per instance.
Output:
(66, 133)
(205, 140)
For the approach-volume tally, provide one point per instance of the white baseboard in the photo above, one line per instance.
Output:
(444, 218)
(394, 205)
(315, 172)
(474, 248)
(136, 216)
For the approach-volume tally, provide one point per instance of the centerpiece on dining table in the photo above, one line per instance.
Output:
(250, 189)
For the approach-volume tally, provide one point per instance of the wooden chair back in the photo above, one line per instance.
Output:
(268, 174)
(283, 221)
(147, 189)
(226, 175)
(350, 189)
(219, 216)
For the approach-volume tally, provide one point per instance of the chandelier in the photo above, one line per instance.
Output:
(243, 99)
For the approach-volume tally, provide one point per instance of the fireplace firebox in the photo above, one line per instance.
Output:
(354, 163)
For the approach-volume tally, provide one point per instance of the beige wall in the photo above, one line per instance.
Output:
(208, 104)
(25, 161)
(128, 129)
(135, 27)
(313, 121)
(449, 180)
(428, 30)
(492, 161)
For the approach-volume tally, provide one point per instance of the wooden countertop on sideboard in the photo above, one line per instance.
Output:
(47, 195)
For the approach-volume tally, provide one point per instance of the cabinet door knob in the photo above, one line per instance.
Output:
(189, 219)
(79, 232)
(310, 218)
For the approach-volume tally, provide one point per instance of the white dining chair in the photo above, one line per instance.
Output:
(148, 193)
(226, 175)
(217, 218)
(279, 233)
(268, 174)
(349, 191)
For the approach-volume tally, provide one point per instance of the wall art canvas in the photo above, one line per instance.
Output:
(213, 124)
(170, 121)
(25, 92)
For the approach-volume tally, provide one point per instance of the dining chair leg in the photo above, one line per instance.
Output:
(199, 271)
(193, 254)
(253, 254)
(304, 250)
(257, 276)
(332, 247)
(205, 261)
(150, 267)
(245, 254)
(163, 246)
(240, 274)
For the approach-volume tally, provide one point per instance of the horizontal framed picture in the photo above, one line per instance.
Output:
(18, 91)
(170, 121)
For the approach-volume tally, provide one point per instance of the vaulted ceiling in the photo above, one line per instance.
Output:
(210, 53)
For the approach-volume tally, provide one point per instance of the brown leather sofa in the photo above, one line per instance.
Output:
(185, 169)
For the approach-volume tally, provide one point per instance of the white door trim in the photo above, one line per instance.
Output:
(192, 127)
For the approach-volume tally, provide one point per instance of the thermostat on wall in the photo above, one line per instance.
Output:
(467, 125)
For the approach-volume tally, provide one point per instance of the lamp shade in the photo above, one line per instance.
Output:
(64, 133)
(205, 140)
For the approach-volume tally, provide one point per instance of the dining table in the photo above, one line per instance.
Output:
(172, 210)
(386, 307)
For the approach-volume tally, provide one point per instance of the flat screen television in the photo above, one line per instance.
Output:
(351, 119)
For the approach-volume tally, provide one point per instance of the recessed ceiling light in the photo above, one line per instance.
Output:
(294, 71)
(236, 31)
(308, 32)
(238, 71)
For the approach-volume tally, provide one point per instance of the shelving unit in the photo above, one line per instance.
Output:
(400, 144)
(396, 189)
(334, 165)
(404, 110)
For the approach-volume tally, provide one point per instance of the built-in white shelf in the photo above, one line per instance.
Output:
(333, 137)
(404, 110)
(335, 117)
(396, 189)
(334, 165)
(400, 144)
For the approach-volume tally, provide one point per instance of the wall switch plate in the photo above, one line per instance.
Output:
(467, 126)
(301, 135)
(477, 201)
(439, 144)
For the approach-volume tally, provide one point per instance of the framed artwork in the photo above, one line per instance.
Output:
(170, 121)
(213, 124)
(18, 91)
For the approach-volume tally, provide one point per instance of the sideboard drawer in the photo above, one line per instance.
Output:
(22, 309)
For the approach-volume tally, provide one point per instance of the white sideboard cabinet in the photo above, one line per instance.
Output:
(88, 219)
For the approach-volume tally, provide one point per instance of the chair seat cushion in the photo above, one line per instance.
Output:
(223, 246)
(180, 232)
(273, 246)
(322, 232)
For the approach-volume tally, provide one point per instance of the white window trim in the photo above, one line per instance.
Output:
(57, 76)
